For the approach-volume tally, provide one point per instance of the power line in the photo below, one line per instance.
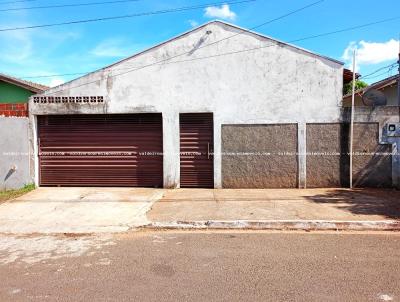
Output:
(54, 75)
(266, 23)
(207, 45)
(387, 73)
(65, 5)
(235, 52)
(12, 2)
(376, 71)
(173, 10)
(347, 29)
(295, 40)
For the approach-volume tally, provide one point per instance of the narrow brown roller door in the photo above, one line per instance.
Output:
(196, 147)
(101, 150)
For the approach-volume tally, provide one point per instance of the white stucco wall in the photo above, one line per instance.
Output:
(274, 83)
(14, 153)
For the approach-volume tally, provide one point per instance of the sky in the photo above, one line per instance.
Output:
(81, 48)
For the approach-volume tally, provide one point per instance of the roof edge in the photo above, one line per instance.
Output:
(137, 53)
(188, 32)
(33, 87)
(278, 41)
(377, 85)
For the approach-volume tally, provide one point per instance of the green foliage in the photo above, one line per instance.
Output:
(10, 194)
(347, 88)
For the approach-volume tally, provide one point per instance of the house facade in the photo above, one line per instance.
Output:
(14, 95)
(218, 106)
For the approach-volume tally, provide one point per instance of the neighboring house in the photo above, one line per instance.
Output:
(348, 76)
(14, 131)
(388, 86)
(14, 95)
(218, 106)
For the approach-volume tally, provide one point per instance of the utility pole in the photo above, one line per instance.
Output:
(352, 118)
(398, 79)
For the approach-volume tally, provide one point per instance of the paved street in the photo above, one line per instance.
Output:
(201, 266)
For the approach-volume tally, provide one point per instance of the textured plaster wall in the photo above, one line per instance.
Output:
(371, 167)
(275, 83)
(259, 156)
(372, 162)
(327, 159)
(382, 116)
(14, 153)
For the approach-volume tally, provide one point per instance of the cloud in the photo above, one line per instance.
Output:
(370, 53)
(22, 53)
(114, 47)
(16, 47)
(56, 81)
(223, 12)
(193, 23)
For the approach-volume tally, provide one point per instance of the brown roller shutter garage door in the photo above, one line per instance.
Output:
(101, 150)
(196, 139)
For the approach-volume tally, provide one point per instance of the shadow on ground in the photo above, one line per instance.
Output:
(362, 201)
(277, 204)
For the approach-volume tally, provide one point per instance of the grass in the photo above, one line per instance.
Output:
(10, 194)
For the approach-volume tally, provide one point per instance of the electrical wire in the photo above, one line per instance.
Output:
(12, 2)
(172, 10)
(207, 45)
(234, 52)
(387, 73)
(230, 53)
(65, 5)
(376, 71)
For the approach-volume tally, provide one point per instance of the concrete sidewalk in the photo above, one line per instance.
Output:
(77, 210)
(110, 210)
(358, 209)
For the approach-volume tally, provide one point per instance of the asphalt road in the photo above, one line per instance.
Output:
(201, 266)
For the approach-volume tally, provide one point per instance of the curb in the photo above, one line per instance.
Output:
(306, 225)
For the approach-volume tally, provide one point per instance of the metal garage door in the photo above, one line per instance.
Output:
(196, 139)
(101, 150)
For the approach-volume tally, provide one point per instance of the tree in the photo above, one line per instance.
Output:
(347, 88)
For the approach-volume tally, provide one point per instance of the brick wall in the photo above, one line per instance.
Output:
(13, 109)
